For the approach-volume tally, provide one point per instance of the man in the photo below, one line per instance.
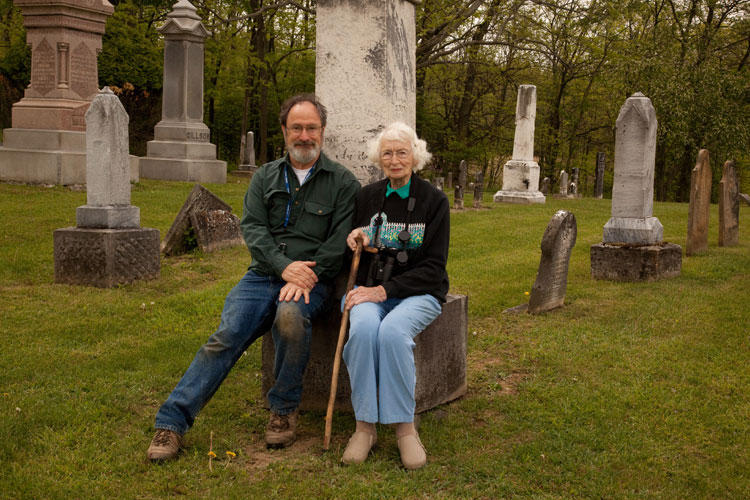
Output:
(297, 213)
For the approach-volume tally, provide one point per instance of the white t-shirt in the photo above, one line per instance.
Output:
(301, 174)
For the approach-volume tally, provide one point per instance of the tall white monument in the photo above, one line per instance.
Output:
(521, 173)
(181, 150)
(365, 75)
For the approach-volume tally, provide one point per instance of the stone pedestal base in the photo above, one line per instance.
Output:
(519, 197)
(646, 231)
(635, 263)
(439, 355)
(105, 257)
(187, 170)
(47, 157)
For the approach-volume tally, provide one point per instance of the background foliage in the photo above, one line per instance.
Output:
(585, 57)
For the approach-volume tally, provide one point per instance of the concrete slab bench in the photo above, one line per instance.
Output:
(439, 355)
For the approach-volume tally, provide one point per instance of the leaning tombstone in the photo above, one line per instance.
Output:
(248, 157)
(478, 189)
(551, 282)
(108, 246)
(179, 237)
(181, 149)
(458, 197)
(729, 207)
(216, 229)
(599, 178)
(632, 248)
(700, 205)
(521, 173)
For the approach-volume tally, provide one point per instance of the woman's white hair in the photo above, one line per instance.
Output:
(399, 131)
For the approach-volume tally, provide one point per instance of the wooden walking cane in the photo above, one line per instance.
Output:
(340, 346)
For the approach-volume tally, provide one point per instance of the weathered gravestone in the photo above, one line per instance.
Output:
(181, 150)
(449, 184)
(545, 186)
(700, 205)
(729, 207)
(108, 246)
(458, 196)
(551, 282)
(247, 162)
(440, 183)
(746, 198)
(365, 74)
(210, 231)
(632, 248)
(521, 173)
(563, 182)
(47, 141)
(478, 189)
(599, 176)
(439, 356)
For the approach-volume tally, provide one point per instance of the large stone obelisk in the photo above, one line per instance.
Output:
(521, 173)
(365, 75)
(47, 141)
(181, 150)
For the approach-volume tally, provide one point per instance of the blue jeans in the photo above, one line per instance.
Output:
(250, 309)
(379, 356)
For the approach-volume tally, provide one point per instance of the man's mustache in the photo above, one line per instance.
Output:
(305, 143)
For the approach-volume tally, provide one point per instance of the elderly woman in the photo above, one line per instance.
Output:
(400, 291)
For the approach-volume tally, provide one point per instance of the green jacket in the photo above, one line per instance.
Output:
(319, 221)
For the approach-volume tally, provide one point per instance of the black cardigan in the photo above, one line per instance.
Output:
(424, 273)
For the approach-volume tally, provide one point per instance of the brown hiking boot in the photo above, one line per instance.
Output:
(281, 430)
(165, 445)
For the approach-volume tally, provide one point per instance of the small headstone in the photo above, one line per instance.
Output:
(551, 282)
(563, 182)
(545, 186)
(746, 198)
(729, 207)
(478, 189)
(108, 247)
(700, 205)
(458, 197)
(576, 172)
(521, 173)
(199, 200)
(216, 229)
(599, 178)
(573, 189)
(449, 184)
(248, 156)
(440, 183)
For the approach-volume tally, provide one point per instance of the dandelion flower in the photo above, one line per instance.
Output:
(212, 454)
(231, 454)
(525, 293)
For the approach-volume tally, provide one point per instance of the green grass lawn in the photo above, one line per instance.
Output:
(632, 390)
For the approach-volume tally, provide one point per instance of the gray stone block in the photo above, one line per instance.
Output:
(635, 263)
(173, 169)
(112, 217)
(439, 355)
(105, 257)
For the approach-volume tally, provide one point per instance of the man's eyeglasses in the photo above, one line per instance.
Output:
(310, 129)
(401, 154)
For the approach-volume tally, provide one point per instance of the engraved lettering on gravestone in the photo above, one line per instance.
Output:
(78, 117)
(83, 71)
(198, 136)
(551, 281)
(43, 68)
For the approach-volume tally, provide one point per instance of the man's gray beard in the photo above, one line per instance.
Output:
(304, 156)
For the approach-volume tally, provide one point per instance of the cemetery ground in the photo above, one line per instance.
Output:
(632, 390)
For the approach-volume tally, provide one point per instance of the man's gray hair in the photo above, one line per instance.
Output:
(399, 131)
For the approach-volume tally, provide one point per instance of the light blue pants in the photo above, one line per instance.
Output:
(380, 356)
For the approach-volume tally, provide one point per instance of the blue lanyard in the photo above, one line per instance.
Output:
(289, 190)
